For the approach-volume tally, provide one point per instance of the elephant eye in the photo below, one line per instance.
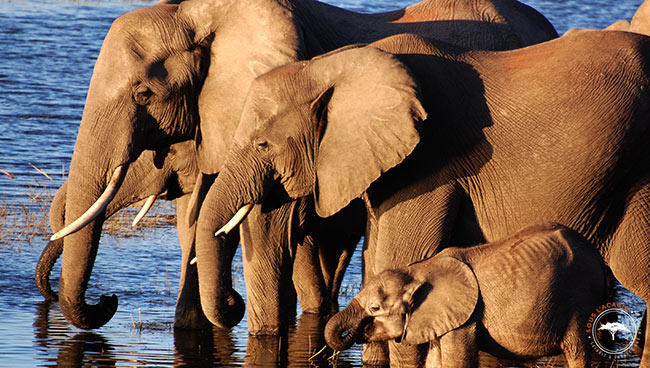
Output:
(261, 145)
(142, 94)
(374, 308)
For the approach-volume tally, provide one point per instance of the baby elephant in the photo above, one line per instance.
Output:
(523, 297)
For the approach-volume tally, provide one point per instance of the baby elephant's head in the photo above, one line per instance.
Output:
(379, 312)
(414, 304)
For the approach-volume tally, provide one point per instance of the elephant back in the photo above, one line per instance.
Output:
(532, 285)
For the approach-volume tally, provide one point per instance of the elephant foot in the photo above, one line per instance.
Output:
(375, 354)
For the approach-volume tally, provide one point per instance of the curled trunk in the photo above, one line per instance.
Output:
(221, 304)
(89, 185)
(343, 328)
(235, 187)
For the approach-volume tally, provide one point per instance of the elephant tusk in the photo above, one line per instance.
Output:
(233, 223)
(143, 211)
(97, 207)
(406, 325)
(235, 220)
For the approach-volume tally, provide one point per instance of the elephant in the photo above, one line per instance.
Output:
(171, 73)
(526, 296)
(451, 142)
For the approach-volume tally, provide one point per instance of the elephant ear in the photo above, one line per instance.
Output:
(444, 302)
(249, 38)
(368, 121)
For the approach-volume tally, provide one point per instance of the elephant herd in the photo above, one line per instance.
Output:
(296, 128)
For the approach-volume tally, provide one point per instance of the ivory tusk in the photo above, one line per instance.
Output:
(98, 207)
(233, 223)
(143, 211)
(235, 220)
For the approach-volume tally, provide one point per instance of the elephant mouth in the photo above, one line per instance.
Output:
(365, 331)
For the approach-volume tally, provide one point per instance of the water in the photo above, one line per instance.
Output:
(47, 51)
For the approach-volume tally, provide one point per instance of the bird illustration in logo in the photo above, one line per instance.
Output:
(613, 328)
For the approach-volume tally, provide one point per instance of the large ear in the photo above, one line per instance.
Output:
(641, 20)
(249, 38)
(368, 117)
(444, 302)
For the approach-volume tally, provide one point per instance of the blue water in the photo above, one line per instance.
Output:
(47, 52)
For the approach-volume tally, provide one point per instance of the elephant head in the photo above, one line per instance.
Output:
(303, 131)
(160, 79)
(414, 305)
(167, 174)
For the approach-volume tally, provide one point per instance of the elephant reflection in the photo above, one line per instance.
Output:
(83, 349)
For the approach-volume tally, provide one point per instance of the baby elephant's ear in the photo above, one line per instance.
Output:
(445, 302)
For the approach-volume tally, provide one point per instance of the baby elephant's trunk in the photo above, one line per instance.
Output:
(343, 328)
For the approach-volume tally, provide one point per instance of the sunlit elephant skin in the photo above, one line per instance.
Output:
(170, 177)
(640, 22)
(174, 180)
(527, 296)
(440, 126)
(169, 73)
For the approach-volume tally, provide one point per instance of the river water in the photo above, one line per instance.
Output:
(47, 51)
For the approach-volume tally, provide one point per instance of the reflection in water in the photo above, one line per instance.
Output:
(204, 348)
(83, 349)
(302, 347)
(89, 345)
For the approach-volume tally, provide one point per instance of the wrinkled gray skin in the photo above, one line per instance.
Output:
(169, 175)
(527, 296)
(444, 132)
(173, 73)
(317, 274)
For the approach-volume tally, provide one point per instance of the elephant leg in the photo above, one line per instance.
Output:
(575, 345)
(308, 278)
(434, 355)
(188, 303)
(271, 298)
(407, 356)
(630, 251)
(411, 230)
(417, 227)
(459, 348)
(330, 243)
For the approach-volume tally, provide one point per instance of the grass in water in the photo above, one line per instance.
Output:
(27, 220)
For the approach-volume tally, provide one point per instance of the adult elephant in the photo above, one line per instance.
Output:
(551, 132)
(170, 73)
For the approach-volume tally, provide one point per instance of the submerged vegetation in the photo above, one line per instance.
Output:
(26, 220)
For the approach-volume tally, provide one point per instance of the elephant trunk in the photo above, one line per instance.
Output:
(343, 328)
(93, 179)
(231, 190)
(53, 249)
(221, 304)
(79, 252)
